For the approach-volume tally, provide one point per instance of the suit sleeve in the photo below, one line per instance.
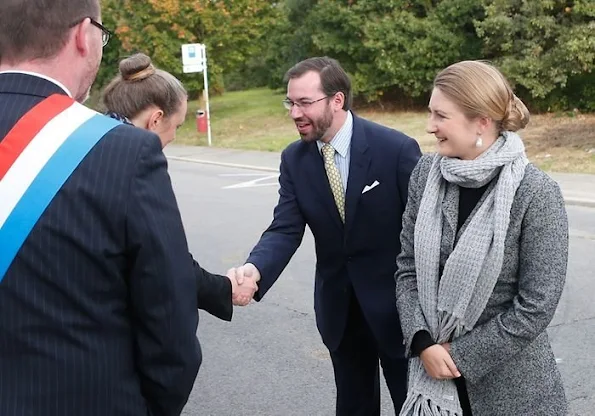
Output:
(213, 293)
(542, 272)
(408, 157)
(162, 287)
(282, 238)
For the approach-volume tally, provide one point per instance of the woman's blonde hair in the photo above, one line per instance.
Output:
(481, 90)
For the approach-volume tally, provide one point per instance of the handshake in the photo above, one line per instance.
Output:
(243, 283)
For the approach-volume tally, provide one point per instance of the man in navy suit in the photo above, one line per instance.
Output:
(98, 302)
(347, 179)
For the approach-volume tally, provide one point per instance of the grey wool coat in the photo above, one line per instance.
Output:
(506, 359)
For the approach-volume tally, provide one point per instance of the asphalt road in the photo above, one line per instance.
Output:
(270, 360)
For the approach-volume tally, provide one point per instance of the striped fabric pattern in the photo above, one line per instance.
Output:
(36, 158)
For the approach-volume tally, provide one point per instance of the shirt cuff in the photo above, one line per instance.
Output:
(421, 341)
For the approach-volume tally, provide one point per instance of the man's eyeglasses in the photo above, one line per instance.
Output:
(106, 34)
(303, 104)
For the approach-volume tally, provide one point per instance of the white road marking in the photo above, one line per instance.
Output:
(260, 181)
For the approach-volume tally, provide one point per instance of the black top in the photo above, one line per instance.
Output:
(468, 199)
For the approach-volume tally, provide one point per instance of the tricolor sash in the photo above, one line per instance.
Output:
(36, 158)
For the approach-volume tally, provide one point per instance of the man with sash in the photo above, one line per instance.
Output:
(98, 309)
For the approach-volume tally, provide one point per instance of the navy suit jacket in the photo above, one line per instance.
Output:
(358, 256)
(214, 293)
(98, 311)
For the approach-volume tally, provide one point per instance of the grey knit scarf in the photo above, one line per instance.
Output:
(453, 303)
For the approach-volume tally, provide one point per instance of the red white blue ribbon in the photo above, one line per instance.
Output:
(37, 157)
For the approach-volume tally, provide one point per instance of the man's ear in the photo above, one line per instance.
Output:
(339, 100)
(82, 37)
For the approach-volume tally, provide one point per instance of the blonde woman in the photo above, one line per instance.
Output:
(483, 261)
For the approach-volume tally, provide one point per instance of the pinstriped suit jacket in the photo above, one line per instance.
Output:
(98, 311)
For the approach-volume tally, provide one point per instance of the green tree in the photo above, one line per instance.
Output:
(288, 40)
(394, 47)
(391, 48)
(545, 47)
(159, 28)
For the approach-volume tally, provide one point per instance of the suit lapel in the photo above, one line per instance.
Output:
(319, 181)
(358, 171)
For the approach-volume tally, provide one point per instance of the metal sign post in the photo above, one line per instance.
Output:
(194, 59)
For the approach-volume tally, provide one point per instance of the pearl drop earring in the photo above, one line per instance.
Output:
(479, 142)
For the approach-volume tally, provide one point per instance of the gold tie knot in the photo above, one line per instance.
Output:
(328, 152)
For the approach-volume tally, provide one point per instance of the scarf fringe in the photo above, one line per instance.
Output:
(417, 404)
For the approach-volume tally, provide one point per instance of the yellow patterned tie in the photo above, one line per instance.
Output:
(334, 178)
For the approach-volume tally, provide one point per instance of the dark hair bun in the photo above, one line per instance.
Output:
(136, 67)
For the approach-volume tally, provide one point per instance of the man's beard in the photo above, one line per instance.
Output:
(87, 83)
(319, 126)
(84, 97)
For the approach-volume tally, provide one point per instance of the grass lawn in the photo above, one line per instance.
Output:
(256, 120)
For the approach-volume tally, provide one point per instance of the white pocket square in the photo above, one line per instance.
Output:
(369, 187)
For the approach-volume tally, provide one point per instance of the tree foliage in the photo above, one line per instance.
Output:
(391, 48)
(231, 30)
(545, 47)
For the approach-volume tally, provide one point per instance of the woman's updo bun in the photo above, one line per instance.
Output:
(136, 67)
(516, 117)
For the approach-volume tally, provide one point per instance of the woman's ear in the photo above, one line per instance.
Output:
(155, 119)
(485, 125)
